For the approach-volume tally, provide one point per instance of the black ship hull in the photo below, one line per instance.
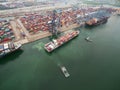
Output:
(118, 14)
(1, 56)
(99, 22)
(12, 52)
(8, 48)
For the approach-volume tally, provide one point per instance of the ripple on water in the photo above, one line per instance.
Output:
(39, 46)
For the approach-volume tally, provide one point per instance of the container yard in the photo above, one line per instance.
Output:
(28, 27)
(6, 31)
(60, 46)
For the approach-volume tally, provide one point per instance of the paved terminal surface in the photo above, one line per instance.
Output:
(30, 38)
(32, 9)
(19, 28)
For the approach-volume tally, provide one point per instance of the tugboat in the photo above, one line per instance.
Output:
(49, 47)
(88, 39)
(8, 48)
(65, 72)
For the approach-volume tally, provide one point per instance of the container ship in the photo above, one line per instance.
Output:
(8, 48)
(55, 43)
(96, 21)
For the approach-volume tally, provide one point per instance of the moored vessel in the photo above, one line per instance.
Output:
(61, 40)
(97, 21)
(118, 14)
(8, 48)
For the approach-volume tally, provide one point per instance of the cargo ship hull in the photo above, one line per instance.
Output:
(97, 22)
(51, 46)
(8, 48)
(118, 14)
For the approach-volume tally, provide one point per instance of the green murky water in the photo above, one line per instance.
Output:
(92, 66)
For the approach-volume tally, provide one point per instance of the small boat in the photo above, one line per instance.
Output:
(8, 48)
(88, 39)
(65, 72)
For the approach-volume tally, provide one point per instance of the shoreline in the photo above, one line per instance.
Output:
(42, 35)
(18, 28)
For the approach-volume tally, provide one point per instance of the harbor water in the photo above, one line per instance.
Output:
(92, 65)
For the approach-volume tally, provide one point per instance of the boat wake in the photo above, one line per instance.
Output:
(62, 68)
(38, 46)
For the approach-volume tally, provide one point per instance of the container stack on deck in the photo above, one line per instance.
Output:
(6, 32)
(60, 41)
